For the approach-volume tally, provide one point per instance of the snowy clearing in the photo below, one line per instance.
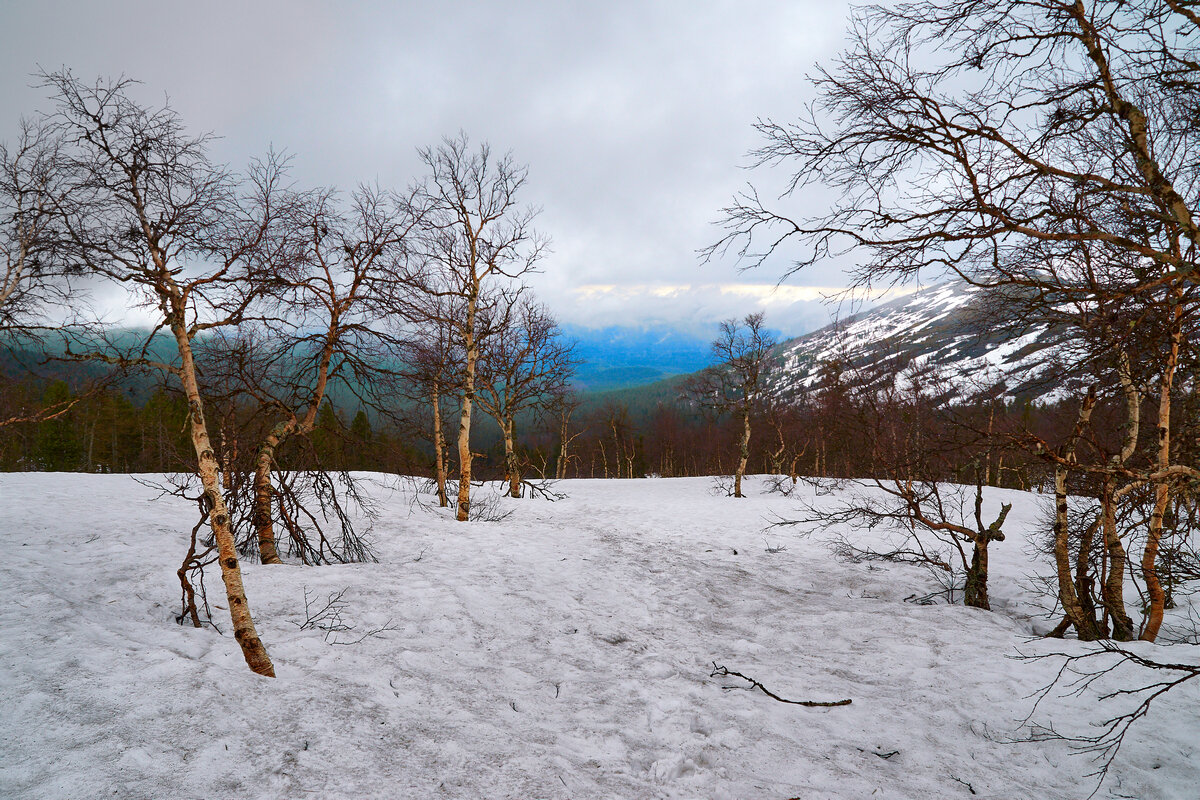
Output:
(565, 652)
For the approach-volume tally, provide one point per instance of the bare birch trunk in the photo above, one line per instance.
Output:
(743, 453)
(464, 419)
(975, 592)
(439, 446)
(227, 461)
(1085, 626)
(218, 516)
(1162, 489)
(264, 492)
(1084, 582)
(560, 471)
(510, 460)
(1113, 589)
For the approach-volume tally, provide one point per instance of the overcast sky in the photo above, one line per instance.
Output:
(634, 118)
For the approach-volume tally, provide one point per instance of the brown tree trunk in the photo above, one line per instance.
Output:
(1113, 589)
(464, 419)
(218, 515)
(1084, 625)
(1084, 580)
(510, 460)
(439, 446)
(975, 593)
(1162, 489)
(264, 492)
(743, 452)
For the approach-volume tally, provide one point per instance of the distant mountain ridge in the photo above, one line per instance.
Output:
(622, 357)
(943, 331)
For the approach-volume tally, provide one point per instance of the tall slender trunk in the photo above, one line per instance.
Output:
(560, 470)
(1162, 489)
(264, 492)
(618, 450)
(510, 459)
(1084, 625)
(439, 445)
(743, 452)
(218, 514)
(1113, 588)
(471, 346)
(226, 460)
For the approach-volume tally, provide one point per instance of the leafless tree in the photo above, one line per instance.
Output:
(561, 407)
(1044, 151)
(432, 369)
(35, 278)
(736, 382)
(524, 363)
(909, 438)
(145, 208)
(32, 182)
(473, 234)
(317, 325)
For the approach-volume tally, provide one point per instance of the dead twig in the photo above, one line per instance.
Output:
(719, 671)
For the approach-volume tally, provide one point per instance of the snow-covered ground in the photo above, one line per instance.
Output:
(565, 652)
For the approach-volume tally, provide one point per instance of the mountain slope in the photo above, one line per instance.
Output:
(945, 332)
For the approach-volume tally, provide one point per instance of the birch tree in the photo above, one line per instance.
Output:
(525, 363)
(431, 371)
(736, 382)
(323, 298)
(147, 209)
(32, 179)
(473, 234)
(1043, 151)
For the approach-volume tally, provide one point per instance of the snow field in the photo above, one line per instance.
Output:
(564, 652)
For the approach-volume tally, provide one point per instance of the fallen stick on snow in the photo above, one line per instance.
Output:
(722, 672)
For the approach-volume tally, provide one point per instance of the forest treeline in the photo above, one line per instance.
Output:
(843, 428)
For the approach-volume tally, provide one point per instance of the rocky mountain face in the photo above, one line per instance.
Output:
(950, 336)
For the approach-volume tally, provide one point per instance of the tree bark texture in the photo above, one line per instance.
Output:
(510, 460)
(1084, 625)
(1162, 489)
(464, 419)
(743, 451)
(264, 492)
(439, 445)
(244, 631)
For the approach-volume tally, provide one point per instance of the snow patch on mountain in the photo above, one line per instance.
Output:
(939, 331)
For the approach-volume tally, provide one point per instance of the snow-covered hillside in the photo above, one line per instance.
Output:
(565, 652)
(936, 328)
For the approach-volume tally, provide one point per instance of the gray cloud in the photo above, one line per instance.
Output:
(633, 117)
